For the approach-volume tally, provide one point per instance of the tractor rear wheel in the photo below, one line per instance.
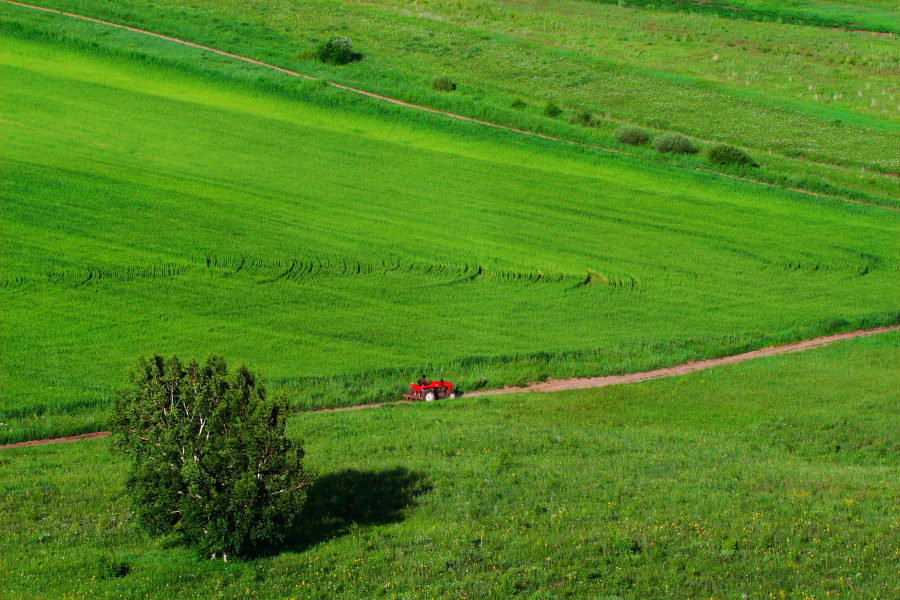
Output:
(429, 396)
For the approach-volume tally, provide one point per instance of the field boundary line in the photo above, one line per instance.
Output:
(415, 106)
(576, 383)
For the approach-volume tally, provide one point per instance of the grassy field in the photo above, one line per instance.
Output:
(880, 15)
(158, 198)
(772, 479)
(343, 247)
(818, 107)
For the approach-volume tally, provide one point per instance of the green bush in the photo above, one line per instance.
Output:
(108, 568)
(443, 84)
(585, 119)
(674, 143)
(336, 50)
(631, 135)
(210, 458)
(551, 109)
(517, 103)
(730, 156)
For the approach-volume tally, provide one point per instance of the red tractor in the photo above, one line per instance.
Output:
(431, 391)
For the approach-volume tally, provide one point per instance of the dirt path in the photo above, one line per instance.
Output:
(556, 385)
(401, 102)
(74, 438)
(577, 383)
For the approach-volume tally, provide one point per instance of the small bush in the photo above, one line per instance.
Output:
(552, 110)
(674, 143)
(585, 119)
(443, 84)
(108, 568)
(336, 50)
(518, 103)
(730, 156)
(631, 135)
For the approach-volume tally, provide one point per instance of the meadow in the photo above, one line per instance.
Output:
(817, 107)
(343, 247)
(771, 479)
(877, 15)
(157, 198)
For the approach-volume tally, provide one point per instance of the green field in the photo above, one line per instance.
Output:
(775, 478)
(342, 248)
(819, 108)
(853, 15)
(161, 198)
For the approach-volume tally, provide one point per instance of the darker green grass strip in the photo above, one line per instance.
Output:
(773, 13)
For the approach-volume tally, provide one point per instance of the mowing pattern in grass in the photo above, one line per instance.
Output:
(770, 478)
(223, 219)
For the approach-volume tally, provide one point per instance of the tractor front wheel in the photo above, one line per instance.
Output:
(452, 395)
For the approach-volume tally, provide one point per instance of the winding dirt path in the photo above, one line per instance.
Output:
(408, 104)
(577, 383)
(556, 385)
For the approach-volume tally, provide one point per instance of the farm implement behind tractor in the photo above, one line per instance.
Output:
(431, 391)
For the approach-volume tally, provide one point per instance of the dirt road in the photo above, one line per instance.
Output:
(556, 385)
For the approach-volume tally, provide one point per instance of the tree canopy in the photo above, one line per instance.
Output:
(210, 457)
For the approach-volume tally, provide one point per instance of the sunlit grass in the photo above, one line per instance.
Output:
(340, 251)
(774, 478)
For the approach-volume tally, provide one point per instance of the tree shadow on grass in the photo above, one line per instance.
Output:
(337, 502)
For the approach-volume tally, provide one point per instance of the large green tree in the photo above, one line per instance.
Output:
(210, 457)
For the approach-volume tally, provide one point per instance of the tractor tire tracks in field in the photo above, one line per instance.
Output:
(408, 104)
(577, 383)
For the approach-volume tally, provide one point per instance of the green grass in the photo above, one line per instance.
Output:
(342, 247)
(860, 185)
(775, 478)
(784, 92)
(848, 14)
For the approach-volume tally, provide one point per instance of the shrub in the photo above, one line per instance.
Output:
(443, 84)
(730, 156)
(336, 50)
(517, 103)
(552, 110)
(210, 458)
(585, 119)
(631, 135)
(674, 143)
(108, 568)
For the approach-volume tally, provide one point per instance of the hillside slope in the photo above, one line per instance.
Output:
(149, 210)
